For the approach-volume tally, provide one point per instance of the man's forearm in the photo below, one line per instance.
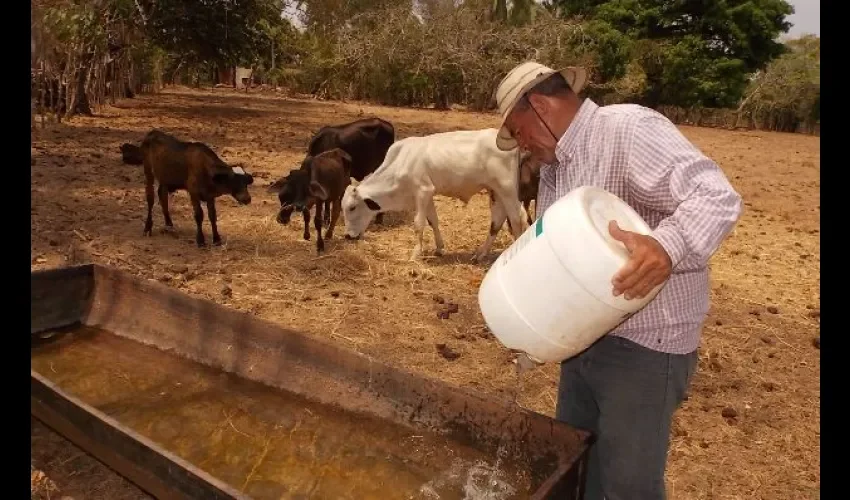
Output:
(709, 209)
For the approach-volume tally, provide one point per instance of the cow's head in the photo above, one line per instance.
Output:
(298, 192)
(529, 172)
(357, 212)
(232, 180)
(131, 154)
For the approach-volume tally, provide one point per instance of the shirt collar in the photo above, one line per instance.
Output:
(568, 142)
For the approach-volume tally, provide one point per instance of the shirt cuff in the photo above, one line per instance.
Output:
(671, 240)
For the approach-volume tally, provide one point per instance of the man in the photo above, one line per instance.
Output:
(626, 387)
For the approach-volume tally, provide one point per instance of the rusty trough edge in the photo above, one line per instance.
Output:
(48, 312)
(557, 485)
(153, 469)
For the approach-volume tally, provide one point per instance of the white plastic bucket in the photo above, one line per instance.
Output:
(549, 294)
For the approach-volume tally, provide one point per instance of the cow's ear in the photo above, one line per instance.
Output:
(372, 205)
(318, 191)
(345, 156)
(220, 172)
(239, 169)
(221, 176)
(277, 186)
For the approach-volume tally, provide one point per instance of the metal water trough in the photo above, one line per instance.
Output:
(237, 342)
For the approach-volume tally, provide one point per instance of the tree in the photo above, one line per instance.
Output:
(500, 10)
(224, 32)
(787, 93)
(84, 50)
(693, 52)
(522, 12)
(323, 17)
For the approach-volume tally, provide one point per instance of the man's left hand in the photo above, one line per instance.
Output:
(648, 265)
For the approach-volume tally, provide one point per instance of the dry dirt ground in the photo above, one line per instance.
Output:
(751, 426)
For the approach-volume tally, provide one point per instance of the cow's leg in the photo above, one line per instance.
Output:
(423, 197)
(327, 213)
(149, 198)
(336, 208)
(492, 201)
(163, 203)
(507, 197)
(213, 221)
(306, 214)
(497, 220)
(435, 226)
(379, 219)
(320, 243)
(199, 220)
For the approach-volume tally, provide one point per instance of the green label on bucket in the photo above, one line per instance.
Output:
(538, 227)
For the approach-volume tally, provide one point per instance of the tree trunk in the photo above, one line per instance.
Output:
(131, 87)
(500, 10)
(175, 76)
(83, 106)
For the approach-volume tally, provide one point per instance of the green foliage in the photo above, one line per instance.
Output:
(611, 47)
(705, 49)
(323, 17)
(74, 24)
(521, 12)
(226, 32)
(685, 73)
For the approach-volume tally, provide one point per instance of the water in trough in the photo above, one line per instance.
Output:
(265, 441)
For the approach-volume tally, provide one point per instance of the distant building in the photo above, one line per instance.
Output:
(236, 77)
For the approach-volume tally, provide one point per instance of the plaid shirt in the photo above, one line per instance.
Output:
(639, 155)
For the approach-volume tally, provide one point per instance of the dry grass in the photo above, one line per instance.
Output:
(87, 205)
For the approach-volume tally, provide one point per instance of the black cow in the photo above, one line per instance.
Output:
(366, 141)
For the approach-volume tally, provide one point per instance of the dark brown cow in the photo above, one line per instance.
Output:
(321, 181)
(366, 141)
(194, 167)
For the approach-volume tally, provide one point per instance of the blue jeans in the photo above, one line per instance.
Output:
(625, 394)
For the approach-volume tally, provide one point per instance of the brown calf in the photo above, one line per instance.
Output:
(320, 181)
(194, 167)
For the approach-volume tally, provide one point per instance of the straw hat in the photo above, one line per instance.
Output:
(519, 81)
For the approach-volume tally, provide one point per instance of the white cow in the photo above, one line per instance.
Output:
(454, 164)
